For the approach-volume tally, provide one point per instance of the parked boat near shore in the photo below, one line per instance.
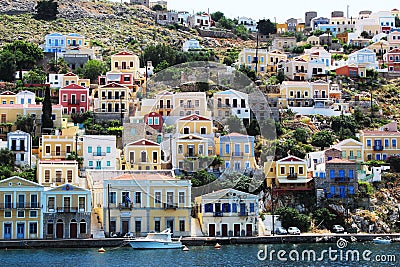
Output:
(162, 240)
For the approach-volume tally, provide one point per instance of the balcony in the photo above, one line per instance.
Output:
(188, 106)
(18, 148)
(165, 106)
(243, 213)
(8, 205)
(28, 205)
(218, 214)
(191, 155)
(67, 209)
(237, 154)
(70, 102)
(170, 206)
(292, 176)
(99, 154)
(125, 205)
(378, 148)
(352, 158)
(220, 105)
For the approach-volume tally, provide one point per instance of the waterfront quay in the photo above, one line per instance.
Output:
(194, 241)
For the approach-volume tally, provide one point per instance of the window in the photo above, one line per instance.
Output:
(138, 197)
(108, 163)
(64, 98)
(47, 176)
(33, 214)
(301, 170)
(234, 207)
(58, 176)
(47, 149)
(82, 227)
(332, 174)
(180, 149)
(69, 176)
(89, 149)
(208, 207)
(203, 130)
(283, 171)
(50, 203)
(394, 143)
(157, 225)
(83, 98)
(369, 142)
(251, 207)
(181, 197)
(226, 207)
(247, 148)
(156, 121)
(351, 174)
(20, 214)
(113, 197)
(82, 205)
(150, 121)
(227, 148)
(157, 197)
(7, 214)
(182, 225)
(90, 163)
(196, 103)
(33, 228)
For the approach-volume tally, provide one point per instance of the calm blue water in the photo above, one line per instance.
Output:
(233, 255)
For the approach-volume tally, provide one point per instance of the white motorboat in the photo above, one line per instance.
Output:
(381, 240)
(161, 240)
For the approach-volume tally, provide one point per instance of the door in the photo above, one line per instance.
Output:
(20, 230)
(7, 202)
(123, 65)
(168, 103)
(249, 230)
(236, 230)
(237, 150)
(7, 230)
(170, 198)
(73, 99)
(98, 165)
(211, 230)
(170, 225)
(191, 150)
(125, 227)
(73, 227)
(60, 229)
(21, 201)
(224, 229)
(161, 103)
(342, 190)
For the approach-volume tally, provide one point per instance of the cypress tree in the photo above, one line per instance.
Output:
(47, 121)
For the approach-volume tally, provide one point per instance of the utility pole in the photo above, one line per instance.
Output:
(108, 208)
(76, 145)
(272, 209)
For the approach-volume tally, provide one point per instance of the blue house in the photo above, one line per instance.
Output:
(55, 42)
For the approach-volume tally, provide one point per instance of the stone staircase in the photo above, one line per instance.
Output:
(195, 228)
(97, 227)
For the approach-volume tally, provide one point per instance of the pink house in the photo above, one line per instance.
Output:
(74, 98)
(154, 120)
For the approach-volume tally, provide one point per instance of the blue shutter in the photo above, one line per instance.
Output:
(332, 174)
(251, 207)
(351, 174)
(341, 173)
(108, 149)
(351, 190)
(234, 207)
(208, 207)
(89, 149)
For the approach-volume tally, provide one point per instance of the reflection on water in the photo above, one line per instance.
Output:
(233, 255)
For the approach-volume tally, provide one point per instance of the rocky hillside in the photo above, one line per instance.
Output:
(117, 26)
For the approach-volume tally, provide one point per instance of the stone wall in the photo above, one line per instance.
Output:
(216, 34)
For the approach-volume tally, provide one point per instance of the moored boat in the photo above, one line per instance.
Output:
(162, 240)
(381, 240)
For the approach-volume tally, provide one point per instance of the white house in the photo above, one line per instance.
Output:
(227, 212)
(55, 80)
(191, 44)
(364, 57)
(20, 144)
(99, 152)
(202, 21)
(231, 102)
(248, 23)
(25, 97)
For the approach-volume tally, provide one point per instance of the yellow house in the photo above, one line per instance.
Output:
(237, 152)
(143, 155)
(141, 202)
(281, 27)
(195, 124)
(274, 58)
(74, 39)
(9, 113)
(288, 174)
(190, 152)
(248, 57)
(21, 209)
(352, 150)
(71, 78)
(295, 94)
(382, 143)
(67, 212)
(113, 97)
(57, 172)
(164, 103)
(8, 97)
(125, 62)
(59, 146)
(187, 103)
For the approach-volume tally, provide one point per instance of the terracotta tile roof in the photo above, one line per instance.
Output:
(123, 53)
(144, 142)
(70, 74)
(194, 117)
(73, 86)
(378, 133)
(337, 160)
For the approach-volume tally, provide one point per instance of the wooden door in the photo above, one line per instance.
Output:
(236, 230)
(211, 230)
(125, 227)
(224, 229)
(73, 230)
(60, 230)
(249, 230)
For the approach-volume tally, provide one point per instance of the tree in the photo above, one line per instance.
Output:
(238, 181)
(364, 34)
(25, 54)
(397, 21)
(301, 135)
(25, 123)
(394, 162)
(249, 72)
(157, 8)
(161, 66)
(7, 66)
(226, 23)
(35, 75)
(324, 217)
(92, 69)
(235, 125)
(291, 217)
(266, 27)
(242, 32)
(7, 158)
(47, 121)
(202, 177)
(216, 16)
(59, 66)
(322, 139)
(46, 10)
